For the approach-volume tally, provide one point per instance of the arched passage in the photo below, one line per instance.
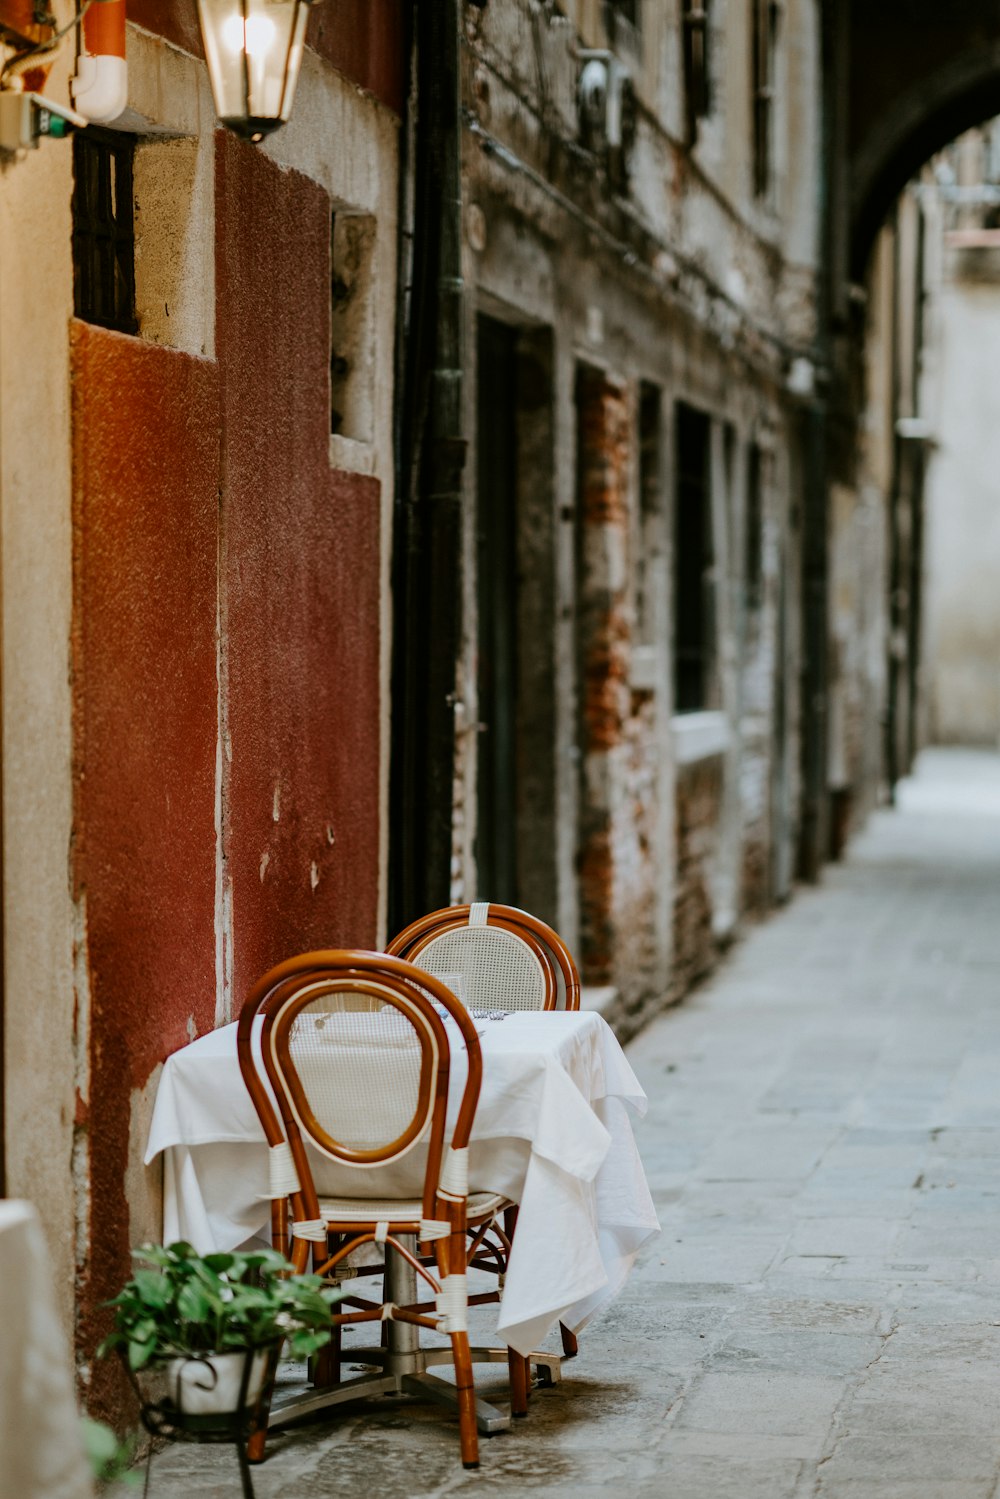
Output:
(914, 75)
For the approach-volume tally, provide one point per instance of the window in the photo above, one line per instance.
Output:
(693, 563)
(695, 38)
(754, 557)
(650, 549)
(766, 16)
(103, 229)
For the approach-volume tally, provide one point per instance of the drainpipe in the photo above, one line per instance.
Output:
(814, 828)
(100, 84)
(431, 443)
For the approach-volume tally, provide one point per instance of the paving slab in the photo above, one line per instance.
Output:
(820, 1318)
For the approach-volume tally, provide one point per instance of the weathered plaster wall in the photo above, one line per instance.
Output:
(667, 830)
(223, 563)
(42, 1026)
(698, 812)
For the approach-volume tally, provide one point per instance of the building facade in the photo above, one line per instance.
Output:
(961, 198)
(196, 541)
(642, 274)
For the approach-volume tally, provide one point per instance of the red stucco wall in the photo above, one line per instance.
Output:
(364, 41)
(202, 487)
(144, 665)
(301, 585)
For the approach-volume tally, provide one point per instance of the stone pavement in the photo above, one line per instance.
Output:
(821, 1316)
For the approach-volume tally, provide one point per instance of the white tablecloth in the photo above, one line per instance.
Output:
(552, 1132)
(41, 1451)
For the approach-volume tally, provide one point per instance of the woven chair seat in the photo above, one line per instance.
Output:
(401, 1210)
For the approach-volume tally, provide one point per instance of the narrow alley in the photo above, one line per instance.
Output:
(821, 1316)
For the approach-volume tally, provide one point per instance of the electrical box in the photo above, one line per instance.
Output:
(26, 118)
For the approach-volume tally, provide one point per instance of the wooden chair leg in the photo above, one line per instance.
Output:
(510, 1222)
(467, 1431)
(519, 1371)
(570, 1346)
(326, 1366)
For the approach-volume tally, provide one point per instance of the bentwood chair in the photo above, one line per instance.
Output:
(508, 960)
(358, 1058)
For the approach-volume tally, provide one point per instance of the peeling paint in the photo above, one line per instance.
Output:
(276, 809)
(313, 876)
(265, 860)
(80, 1155)
(144, 1184)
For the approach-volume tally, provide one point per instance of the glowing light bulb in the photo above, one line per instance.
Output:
(254, 35)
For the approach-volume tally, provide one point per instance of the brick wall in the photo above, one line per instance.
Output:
(617, 860)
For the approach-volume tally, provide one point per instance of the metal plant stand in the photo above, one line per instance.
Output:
(165, 1417)
(402, 1367)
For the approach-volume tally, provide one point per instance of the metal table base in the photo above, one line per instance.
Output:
(402, 1368)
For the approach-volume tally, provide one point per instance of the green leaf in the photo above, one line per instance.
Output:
(219, 1263)
(193, 1304)
(139, 1354)
(109, 1459)
(152, 1287)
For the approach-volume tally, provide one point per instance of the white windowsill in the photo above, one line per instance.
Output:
(699, 735)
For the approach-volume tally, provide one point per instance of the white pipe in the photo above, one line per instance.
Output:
(100, 85)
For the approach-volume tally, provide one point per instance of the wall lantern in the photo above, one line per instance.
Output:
(254, 52)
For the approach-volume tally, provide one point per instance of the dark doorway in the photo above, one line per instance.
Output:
(693, 563)
(498, 602)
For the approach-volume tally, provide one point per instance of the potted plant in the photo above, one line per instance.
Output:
(216, 1322)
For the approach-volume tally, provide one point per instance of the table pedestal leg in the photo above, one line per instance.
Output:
(404, 1364)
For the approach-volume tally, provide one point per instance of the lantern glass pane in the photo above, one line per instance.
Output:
(254, 52)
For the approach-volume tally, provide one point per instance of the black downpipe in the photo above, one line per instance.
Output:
(814, 833)
(427, 545)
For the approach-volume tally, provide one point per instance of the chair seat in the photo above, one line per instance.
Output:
(402, 1210)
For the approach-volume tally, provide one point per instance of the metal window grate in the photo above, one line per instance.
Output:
(766, 20)
(103, 230)
(693, 562)
(696, 42)
(754, 552)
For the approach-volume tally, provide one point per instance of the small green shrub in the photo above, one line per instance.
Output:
(184, 1303)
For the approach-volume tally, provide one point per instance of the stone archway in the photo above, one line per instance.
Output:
(914, 74)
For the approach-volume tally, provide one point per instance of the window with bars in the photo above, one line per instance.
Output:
(103, 229)
(650, 549)
(694, 602)
(766, 20)
(695, 39)
(754, 554)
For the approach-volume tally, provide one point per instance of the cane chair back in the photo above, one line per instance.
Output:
(362, 1066)
(358, 1057)
(508, 959)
